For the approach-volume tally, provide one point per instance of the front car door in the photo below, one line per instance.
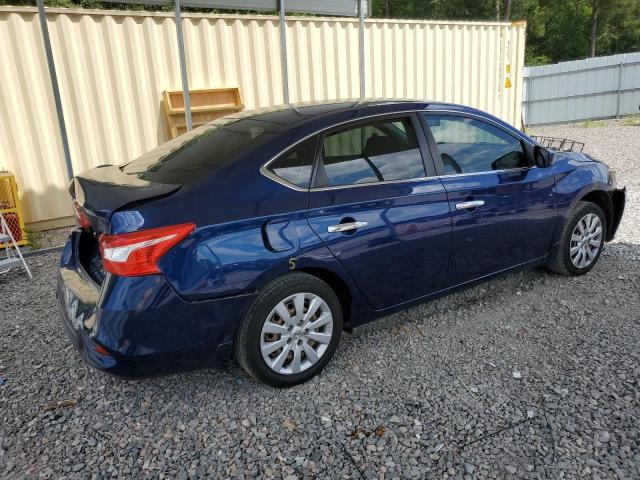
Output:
(380, 209)
(503, 208)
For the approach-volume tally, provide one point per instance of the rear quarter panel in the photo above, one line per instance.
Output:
(249, 230)
(232, 258)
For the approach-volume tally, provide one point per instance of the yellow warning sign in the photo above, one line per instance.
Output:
(507, 83)
(508, 68)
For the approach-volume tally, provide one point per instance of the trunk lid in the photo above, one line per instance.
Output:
(101, 191)
(97, 194)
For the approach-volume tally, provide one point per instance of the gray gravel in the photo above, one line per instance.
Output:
(531, 375)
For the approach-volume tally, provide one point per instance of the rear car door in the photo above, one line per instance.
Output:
(380, 209)
(502, 207)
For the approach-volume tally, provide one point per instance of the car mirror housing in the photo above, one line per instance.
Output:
(542, 157)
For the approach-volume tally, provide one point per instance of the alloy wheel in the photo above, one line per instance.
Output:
(296, 333)
(586, 241)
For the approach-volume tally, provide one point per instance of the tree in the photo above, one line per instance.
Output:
(507, 10)
(595, 9)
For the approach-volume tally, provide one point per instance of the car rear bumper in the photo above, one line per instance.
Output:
(139, 326)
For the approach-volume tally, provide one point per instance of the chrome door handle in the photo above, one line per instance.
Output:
(346, 227)
(471, 204)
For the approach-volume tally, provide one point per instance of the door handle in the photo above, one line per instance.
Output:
(346, 227)
(470, 204)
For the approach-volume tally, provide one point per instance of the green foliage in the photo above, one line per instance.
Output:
(34, 239)
(532, 60)
(557, 30)
(631, 121)
(86, 4)
(594, 123)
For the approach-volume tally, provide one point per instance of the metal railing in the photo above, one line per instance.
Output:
(559, 144)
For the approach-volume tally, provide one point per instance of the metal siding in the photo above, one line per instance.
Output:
(596, 79)
(113, 66)
(322, 7)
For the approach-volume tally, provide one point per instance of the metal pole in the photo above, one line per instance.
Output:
(283, 52)
(54, 86)
(620, 67)
(361, 45)
(529, 92)
(183, 66)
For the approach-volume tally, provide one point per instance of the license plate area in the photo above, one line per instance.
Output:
(79, 299)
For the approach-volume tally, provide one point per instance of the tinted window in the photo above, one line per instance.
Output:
(199, 152)
(295, 165)
(468, 145)
(379, 151)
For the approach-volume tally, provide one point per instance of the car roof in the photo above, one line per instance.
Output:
(293, 114)
(325, 113)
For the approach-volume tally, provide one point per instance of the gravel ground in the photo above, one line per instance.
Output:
(531, 375)
(48, 238)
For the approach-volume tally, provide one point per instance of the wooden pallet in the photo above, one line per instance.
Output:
(206, 105)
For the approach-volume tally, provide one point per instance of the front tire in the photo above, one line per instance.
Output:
(290, 332)
(581, 241)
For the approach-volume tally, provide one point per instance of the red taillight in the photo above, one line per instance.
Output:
(81, 216)
(102, 351)
(137, 253)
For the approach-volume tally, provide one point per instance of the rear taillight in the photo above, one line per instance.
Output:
(81, 216)
(137, 253)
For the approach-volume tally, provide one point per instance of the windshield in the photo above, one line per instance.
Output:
(197, 153)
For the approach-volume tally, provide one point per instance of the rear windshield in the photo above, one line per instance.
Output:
(199, 152)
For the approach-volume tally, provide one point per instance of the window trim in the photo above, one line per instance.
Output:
(424, 135)
(435, 151)
(417, 128)
(268, 172)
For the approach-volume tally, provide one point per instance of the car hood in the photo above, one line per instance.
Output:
(574, 156)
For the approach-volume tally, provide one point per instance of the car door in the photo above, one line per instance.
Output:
(380, 209)
(502, 206)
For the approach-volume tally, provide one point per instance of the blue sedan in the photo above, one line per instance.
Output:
(263, 235)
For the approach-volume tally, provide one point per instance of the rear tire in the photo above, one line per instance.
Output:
(290, 332)
(581, 241)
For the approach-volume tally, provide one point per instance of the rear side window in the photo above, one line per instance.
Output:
(295, 165)
(468, 145)
(380, 151)
(201, 151)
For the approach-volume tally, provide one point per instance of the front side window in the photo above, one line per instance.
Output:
(468, 145)
(295, 165)
(379, 151)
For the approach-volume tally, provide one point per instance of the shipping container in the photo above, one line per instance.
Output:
(114, 65)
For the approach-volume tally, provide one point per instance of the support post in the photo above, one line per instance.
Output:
(283, 53)
(361, 45)
(183, 65)
(529, 92)
(54, 86)
(620, 67)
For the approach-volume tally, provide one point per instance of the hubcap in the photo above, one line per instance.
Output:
(586, 240)
(296, 333)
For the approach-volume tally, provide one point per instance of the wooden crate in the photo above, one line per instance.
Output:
(206, 105)
(10, 208)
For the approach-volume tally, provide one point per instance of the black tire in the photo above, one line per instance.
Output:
(560, 261)
(247, 342)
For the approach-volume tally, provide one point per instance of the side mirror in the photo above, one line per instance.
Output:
(542, 157)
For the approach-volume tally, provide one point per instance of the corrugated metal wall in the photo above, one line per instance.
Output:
(601, 87)
(113, 66)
